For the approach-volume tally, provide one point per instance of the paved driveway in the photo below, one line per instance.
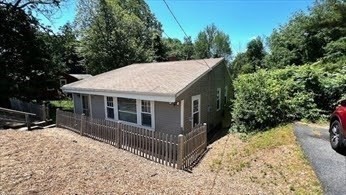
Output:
(329, 165)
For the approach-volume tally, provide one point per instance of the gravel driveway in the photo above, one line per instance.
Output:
(329, 165)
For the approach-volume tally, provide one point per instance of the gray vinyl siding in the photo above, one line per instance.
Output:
(98, 106)
(167, 118)
(207, 88)
(77, 103)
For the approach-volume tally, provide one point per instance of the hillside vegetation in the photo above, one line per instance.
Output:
(269, 97)
(302, 76)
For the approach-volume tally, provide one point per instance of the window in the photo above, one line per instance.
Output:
(62, 82)
(110, 107)
(146, 113)
(85, 105)
(196, 107)
(218, 99)
(127, 110)
(226, 95)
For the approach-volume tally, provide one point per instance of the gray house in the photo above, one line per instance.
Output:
(170, 97)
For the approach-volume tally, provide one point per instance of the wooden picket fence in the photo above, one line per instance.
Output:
(178, 151)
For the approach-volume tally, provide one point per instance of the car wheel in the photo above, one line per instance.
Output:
(335, 136)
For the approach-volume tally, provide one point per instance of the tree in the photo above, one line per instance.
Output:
(304, 38)
(188, 50)
(25, 62)
(212, 42)
(64, 50)
(255, 53)
(117, 33)
(174, 48)
(251, 60)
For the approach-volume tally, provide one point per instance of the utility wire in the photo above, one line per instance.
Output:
(175, 18)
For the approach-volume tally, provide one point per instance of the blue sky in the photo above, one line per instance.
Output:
(242, 20)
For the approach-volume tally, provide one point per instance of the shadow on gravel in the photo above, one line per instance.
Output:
(217, 134)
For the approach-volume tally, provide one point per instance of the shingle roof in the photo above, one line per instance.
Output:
(81, 76)
(163, 78)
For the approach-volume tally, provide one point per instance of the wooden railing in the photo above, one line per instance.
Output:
(8, 112)
(41, 111)
(172, 150)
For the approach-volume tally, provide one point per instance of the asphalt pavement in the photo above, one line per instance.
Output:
(329, 166)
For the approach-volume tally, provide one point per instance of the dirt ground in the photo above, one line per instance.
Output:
(57, 161)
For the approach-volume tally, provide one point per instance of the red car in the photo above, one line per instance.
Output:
(337, 129)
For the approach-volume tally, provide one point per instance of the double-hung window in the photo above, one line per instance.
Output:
(146, 113)
(127, 110)
(110, 107)
(218, 99)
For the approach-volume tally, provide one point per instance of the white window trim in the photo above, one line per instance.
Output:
(139, 115)
(196, 97)
(138, 112)
(115, 106)
(218, 97)
(62, 80)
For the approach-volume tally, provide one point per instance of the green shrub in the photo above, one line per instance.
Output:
(270, 97)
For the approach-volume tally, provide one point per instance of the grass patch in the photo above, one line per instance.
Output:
(66, 105)
(63, 104)
(271, 160)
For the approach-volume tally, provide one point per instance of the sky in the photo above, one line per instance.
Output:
(242, 20)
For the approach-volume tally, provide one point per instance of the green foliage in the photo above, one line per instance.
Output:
(113, 36)
(24, 59)
(251, 60)
(307, 37)
(270, 97)
(212, 42)
(63, 48)
(173, 48)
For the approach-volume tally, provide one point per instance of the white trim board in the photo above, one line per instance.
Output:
(163, 98)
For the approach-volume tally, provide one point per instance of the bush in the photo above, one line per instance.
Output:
(270, 97)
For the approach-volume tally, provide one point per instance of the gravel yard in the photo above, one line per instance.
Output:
(57, 161)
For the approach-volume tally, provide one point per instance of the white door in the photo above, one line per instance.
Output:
(196, 110)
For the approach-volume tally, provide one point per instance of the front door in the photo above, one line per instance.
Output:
(196, 110)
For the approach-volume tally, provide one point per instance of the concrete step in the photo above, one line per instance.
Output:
(49, 126)
(40, 123)
(31, 128)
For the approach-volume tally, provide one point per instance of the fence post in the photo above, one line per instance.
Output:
(43, 110)
(180, 151)
(82, 120)
(57, 117)
(118, 134)
(205, 135)
(27, 120)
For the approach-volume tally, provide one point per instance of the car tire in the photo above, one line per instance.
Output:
(335, 136)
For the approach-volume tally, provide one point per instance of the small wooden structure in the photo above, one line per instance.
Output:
(180, 151)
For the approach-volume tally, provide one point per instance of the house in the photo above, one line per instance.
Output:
(170, 97)
(70, 78)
